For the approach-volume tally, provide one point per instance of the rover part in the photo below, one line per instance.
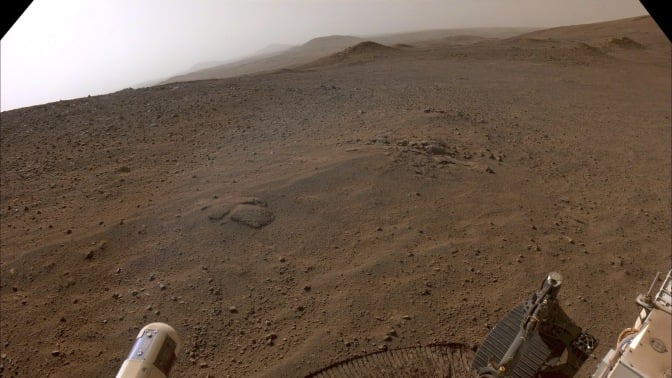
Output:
(153, 353)
(535, 339)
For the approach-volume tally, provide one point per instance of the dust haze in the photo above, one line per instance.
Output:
(74, 48)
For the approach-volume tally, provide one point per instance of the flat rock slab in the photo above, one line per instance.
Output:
(218, 214)
(252, 216)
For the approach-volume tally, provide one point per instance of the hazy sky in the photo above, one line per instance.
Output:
(62, 49)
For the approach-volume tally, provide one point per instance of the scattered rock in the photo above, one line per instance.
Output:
(270, 338)
(233, 309)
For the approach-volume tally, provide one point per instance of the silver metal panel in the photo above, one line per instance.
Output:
(664, 297)
(623, 371)
(649, 352)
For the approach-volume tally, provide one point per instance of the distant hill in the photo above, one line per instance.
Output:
(634, 39)
(432, 36)
(309, 51)
(362, 51)
(274, 57)
(273, 49)
(630, 33)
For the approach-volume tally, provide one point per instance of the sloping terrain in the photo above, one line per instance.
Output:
(618, 38)
(641, 28)
(284, 221)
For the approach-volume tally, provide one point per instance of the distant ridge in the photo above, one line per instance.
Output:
(322, 47)
(273, 49)
(332, 42)
(358, 53)
(641, 29)
(366, 47)
(631, 34)
(312, 50)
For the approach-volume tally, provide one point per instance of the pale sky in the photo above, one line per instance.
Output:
(63, 49)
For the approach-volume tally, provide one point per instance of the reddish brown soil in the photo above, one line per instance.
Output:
(436, 183)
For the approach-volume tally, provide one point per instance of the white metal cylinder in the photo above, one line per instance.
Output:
(153, 354)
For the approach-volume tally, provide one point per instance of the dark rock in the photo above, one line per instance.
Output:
(435, 149)
(254, 201)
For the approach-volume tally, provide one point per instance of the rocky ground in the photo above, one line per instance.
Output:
(284, 221)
